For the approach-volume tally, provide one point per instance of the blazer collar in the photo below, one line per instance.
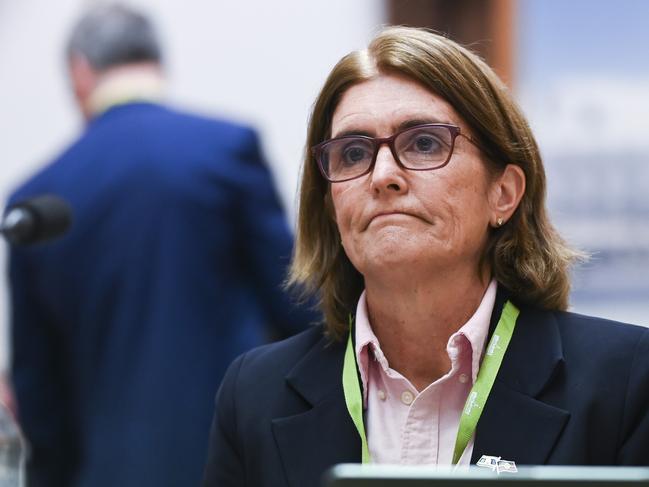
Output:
(515, 424)
(323, 434)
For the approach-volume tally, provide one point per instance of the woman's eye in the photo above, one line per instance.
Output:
(426, 144)
(353, 155)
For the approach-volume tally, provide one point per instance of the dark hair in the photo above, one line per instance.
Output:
(113, 35)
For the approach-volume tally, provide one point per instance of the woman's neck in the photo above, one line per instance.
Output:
(414, 320)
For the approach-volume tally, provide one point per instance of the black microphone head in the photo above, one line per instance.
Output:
(37, 220)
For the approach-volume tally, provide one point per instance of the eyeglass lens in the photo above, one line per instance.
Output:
(419, 148)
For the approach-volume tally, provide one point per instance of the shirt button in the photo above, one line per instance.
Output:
(381, 394)
(463, 378)
(407, 398)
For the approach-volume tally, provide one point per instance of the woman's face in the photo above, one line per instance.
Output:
(410, 222)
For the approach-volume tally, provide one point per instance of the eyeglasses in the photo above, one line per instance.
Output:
(419, 148)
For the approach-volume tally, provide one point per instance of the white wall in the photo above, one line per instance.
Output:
(258, 61)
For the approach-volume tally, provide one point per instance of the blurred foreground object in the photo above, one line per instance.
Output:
(12, 450)
(36, 220)
(345, 475)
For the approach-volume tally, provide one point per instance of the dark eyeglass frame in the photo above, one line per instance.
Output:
(377, 142)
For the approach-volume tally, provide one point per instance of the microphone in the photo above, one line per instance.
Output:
(36, 220)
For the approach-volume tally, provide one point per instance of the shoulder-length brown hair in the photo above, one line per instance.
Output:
(526, 255)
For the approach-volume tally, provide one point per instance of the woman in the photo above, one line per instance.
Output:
(444, 287)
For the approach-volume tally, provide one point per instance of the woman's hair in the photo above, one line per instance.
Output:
(526, 255)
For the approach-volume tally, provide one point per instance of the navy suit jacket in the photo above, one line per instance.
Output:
(123, 329)
(572, 390)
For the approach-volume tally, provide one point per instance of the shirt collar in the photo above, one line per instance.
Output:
(475, 330)
(126, 86)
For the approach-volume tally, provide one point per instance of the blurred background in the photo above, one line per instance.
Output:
(578, 67)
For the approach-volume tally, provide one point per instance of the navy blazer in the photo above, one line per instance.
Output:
(572, 390)
(123, 329)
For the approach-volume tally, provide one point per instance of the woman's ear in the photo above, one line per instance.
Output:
(506, 193)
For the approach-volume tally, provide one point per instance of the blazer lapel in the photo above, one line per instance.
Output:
(324, 435)
(515, 424)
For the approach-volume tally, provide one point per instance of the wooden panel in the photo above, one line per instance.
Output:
(485, 26)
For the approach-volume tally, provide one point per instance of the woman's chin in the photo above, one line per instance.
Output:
(393, 257)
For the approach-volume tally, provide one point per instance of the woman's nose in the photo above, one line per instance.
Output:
(387, 174)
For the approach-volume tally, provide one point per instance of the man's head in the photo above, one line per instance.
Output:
(106, 39)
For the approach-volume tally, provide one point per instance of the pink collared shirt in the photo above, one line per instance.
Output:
(406, 426)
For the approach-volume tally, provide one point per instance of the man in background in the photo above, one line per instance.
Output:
(122, 329)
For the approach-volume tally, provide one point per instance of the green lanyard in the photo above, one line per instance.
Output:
(475, 401)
